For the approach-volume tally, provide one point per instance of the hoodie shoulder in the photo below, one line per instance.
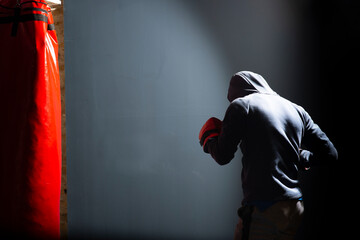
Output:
(305, 117)
(240, 105)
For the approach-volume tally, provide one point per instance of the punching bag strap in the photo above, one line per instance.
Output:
(16, 19)
(18, 14)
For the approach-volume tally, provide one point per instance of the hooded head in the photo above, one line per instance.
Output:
(245, 83)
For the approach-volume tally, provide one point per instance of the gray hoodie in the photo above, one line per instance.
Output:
(277, 139)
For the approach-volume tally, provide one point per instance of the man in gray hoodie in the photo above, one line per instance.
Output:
(277, 139)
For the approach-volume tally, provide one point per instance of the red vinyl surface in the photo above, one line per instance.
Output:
(30, 121)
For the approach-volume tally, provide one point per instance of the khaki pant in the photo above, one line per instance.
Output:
(278, 222)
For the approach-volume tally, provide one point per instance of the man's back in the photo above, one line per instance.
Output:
(277, 139)
(270, 144)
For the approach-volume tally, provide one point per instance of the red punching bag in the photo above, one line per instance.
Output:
(30, 121)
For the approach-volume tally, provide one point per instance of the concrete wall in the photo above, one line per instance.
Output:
(141, 79)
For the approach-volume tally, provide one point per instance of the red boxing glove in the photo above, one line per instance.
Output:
(211, 128)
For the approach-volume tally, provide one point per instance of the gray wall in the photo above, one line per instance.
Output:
(141, 79)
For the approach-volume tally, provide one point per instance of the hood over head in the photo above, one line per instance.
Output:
(245, 82)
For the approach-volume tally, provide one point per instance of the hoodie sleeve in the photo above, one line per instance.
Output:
(317, 149)
(223, 148)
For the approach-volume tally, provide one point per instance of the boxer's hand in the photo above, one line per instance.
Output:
(211, 129)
